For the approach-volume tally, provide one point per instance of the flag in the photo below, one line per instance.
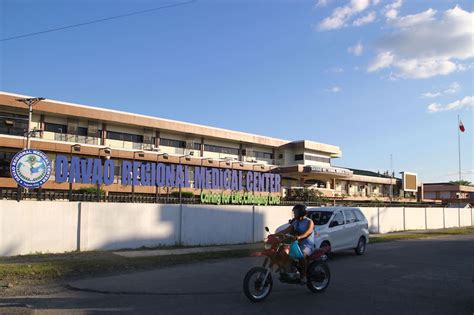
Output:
(461, 126)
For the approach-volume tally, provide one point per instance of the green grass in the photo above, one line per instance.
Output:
(416, 235)
(35, 268)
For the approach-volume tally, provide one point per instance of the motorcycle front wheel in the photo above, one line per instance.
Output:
(254, 288)
(319, 276)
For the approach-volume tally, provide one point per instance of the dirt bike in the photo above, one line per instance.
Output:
(258, 282)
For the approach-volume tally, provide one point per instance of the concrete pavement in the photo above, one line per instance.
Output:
(427, 276)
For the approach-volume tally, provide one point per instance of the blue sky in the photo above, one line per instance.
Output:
(372, 77)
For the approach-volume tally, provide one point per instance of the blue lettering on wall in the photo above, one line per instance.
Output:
(97, 171)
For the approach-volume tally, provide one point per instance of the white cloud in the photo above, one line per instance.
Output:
(451, 89)
(430, 94)
(391, 10)
(383, 60)
(334, 89)
(356, 50)
(466, 102)
(369, 18)
(421, 46)
(341, 15)
(321, 3)
(412, 20)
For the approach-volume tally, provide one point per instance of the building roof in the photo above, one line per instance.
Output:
(368, 173)
(143, 121)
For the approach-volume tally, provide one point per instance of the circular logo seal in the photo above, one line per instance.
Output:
(30, 168)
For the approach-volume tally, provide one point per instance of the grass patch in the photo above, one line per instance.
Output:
(36, 269)
(416, 234)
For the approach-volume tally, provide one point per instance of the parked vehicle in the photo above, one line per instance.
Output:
(258, 281)
(341, 228)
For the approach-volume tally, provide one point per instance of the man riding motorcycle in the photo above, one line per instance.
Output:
(303, 230)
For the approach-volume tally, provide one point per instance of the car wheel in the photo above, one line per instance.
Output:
(360, 249)
(329, 253)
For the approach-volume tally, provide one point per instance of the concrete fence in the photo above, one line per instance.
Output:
(54, 227)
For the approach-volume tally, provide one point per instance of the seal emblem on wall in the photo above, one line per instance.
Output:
(30, 168)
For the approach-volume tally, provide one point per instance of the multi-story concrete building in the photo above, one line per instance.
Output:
(85, 131)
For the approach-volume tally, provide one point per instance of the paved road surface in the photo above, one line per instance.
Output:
(429, 276)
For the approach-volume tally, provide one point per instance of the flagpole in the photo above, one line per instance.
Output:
(459, 148)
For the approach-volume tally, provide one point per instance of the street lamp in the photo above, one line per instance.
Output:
(29, 102)
(141, 154)
(77, 148)
(107, 151)
(188, 158)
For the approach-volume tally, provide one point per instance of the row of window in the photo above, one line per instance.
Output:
(13, 124)
(301, 157)
(220, 149)
(122, 136)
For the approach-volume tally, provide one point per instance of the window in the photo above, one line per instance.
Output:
(359, 215)
(197, 146)
(13, 124)
(339, 219)
(57, 128)
(320, 217)
(299, 157)
(263, 155)
(220, 149)
(81, 131)
(350, 217)
(172, 143)
(317, 158)
(5, 159)
(112, 135)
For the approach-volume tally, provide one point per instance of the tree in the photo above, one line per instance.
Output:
(461, 182)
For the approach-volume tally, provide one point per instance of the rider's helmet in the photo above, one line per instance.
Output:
(300, 211)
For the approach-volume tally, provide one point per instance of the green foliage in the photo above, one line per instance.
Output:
(90, 190)
(461, 182)
(184, 194)
(305, 194)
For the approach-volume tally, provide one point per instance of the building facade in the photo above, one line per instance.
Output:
(84, 131)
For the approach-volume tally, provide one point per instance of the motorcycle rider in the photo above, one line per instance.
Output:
(303, 229)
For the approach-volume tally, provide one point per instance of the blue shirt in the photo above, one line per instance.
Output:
(301, 226)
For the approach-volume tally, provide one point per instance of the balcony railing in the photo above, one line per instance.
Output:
(76, 138)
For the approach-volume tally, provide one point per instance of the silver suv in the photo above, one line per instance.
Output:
(340, 227)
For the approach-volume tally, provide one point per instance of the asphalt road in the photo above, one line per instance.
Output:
(428, 276)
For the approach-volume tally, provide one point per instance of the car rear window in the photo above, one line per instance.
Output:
(359, 215)
(320, 217)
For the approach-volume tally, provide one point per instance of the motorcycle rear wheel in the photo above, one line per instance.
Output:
(253, 288)
(319, 276)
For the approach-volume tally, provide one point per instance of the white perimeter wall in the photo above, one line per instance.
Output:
(32, 226)
(53, 227)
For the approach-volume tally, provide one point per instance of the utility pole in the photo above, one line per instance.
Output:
(391, 178)
(29, 102)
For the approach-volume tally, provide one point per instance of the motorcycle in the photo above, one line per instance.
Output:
(258, 282)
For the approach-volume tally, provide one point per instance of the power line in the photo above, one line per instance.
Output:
(97, 21)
